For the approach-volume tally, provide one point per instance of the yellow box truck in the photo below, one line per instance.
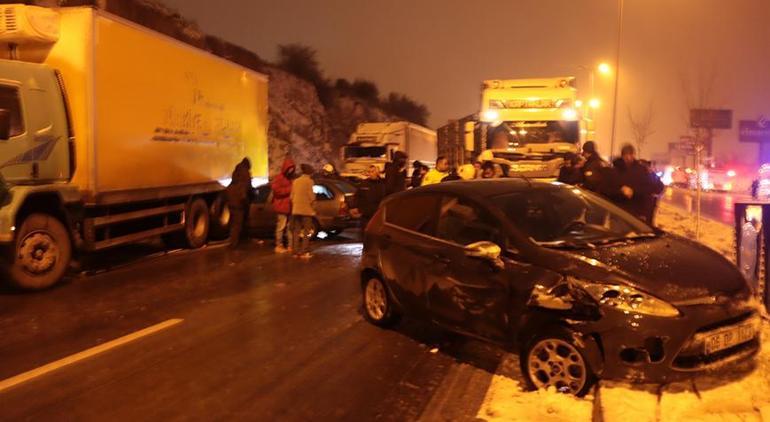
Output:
(111, 133)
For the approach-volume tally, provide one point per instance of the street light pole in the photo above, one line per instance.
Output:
(617, 78)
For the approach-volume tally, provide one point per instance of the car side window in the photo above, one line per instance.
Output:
(261, 194)
(464, 222)
(416, 213)
(322, 193)
(10, 101)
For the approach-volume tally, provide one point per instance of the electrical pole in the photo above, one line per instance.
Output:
(617, 78)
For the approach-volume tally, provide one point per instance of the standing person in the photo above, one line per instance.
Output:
(328, 171)
(571, 173)
(281, 187)
(592, 169)
(437, 174)
(302, 212)
(369, 195)
(637, 187)
(238, 194)
(418, 173)
(488, 170)
(395, 173)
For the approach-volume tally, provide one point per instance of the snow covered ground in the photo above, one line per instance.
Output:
(741, 395)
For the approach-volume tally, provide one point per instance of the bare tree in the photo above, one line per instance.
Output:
(700, 91)
(642, 125)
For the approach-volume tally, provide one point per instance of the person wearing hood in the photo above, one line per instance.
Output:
(418, 172)
(395, 173)
(594, 168)
(281, 186)
(238, 195)
(438, 173)
(638, 185)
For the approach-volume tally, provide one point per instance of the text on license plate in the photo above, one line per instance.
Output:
(728, 338)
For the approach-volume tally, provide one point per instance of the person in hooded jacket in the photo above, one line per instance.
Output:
(593, 168)
(369, 195)
(395, 173)
(638, 187)
(281, 187)
(239, 194)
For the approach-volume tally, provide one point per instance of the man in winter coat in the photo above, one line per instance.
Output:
(281, 187)
(638, 187)
(438, 173)
(395, 173)
(593, 167)
(238, 197)
(418, 172)
(369, 195)
(302, 212)
(571, 173)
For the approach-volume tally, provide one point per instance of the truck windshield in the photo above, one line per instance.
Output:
(365, 152)
(510, 134)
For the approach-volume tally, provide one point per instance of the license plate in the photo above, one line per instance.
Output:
(729, 337)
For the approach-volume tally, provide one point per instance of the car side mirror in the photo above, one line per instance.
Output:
(487, 251)
(5, 124)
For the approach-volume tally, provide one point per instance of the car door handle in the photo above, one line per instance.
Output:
(442, 259)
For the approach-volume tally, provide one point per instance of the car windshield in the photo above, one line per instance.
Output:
(365, 152)
(345, 187)
(570, 217)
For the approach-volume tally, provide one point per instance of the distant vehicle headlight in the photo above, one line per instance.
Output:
(628, 299)
(491, 115)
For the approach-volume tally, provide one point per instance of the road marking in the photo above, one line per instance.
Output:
(85, 354)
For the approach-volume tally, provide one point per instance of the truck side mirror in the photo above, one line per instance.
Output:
(5, 124)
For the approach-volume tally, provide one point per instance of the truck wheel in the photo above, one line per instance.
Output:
(220, 219)
(197, 223)
(42, 253)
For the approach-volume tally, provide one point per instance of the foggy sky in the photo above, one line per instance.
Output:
(439, 51)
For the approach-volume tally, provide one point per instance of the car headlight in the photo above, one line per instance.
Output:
(628, 299)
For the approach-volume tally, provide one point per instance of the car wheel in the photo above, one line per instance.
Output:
(553, 361)
(378, 307)
(42, 253)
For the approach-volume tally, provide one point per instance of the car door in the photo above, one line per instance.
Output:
(406, 248)
(325, 206)
(467, 293)
(262, 217)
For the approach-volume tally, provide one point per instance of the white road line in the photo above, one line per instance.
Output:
(85, 354)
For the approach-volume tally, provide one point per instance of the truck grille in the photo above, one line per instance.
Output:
(9, 22)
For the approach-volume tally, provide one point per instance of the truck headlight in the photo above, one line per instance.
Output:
(491, 115)
(628, 299)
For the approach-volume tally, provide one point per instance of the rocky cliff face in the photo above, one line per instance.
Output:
(300, 126)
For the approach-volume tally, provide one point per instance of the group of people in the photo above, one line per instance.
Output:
(628, 181)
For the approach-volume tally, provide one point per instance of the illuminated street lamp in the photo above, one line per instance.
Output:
(594, 103)
(604, 68)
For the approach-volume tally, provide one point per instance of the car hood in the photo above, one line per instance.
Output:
(670, 267)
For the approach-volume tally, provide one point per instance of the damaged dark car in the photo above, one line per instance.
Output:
(579, 288)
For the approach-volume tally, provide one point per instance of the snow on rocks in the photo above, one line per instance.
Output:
(742, 394)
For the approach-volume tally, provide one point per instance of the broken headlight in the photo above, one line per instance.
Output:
(628, 299)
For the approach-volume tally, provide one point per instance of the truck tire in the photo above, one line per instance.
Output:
(220, 219)
(197, 224)
(42, 253)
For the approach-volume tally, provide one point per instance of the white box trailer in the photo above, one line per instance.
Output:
(115, 133)
(375, 144)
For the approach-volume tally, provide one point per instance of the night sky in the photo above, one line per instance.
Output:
(438, 51)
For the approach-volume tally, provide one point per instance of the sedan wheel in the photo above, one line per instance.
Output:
(556, 363)
(377, 306)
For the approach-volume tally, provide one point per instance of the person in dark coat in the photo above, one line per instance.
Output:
(571, 173)
(593, 168)
(395, 173)
(369, 195)
(638, 185)
(281, 186)
(239, 194)
(418, 172)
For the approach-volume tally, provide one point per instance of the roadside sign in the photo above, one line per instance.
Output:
(687, 145)
(754, 131)
(711, 118)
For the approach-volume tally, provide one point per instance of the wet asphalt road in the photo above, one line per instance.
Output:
(715, 205)
(263, 337)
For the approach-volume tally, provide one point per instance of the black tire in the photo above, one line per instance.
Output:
(197, 224)
(378, 306)
(42, 253)
(553, 360)
(220, 219)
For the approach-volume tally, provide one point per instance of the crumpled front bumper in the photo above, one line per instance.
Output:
(642, 348)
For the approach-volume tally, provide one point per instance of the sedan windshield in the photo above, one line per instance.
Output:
(570, 217)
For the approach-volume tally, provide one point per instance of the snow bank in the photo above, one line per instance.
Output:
(740, 395)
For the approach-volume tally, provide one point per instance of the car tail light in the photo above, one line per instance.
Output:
(344, 209)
